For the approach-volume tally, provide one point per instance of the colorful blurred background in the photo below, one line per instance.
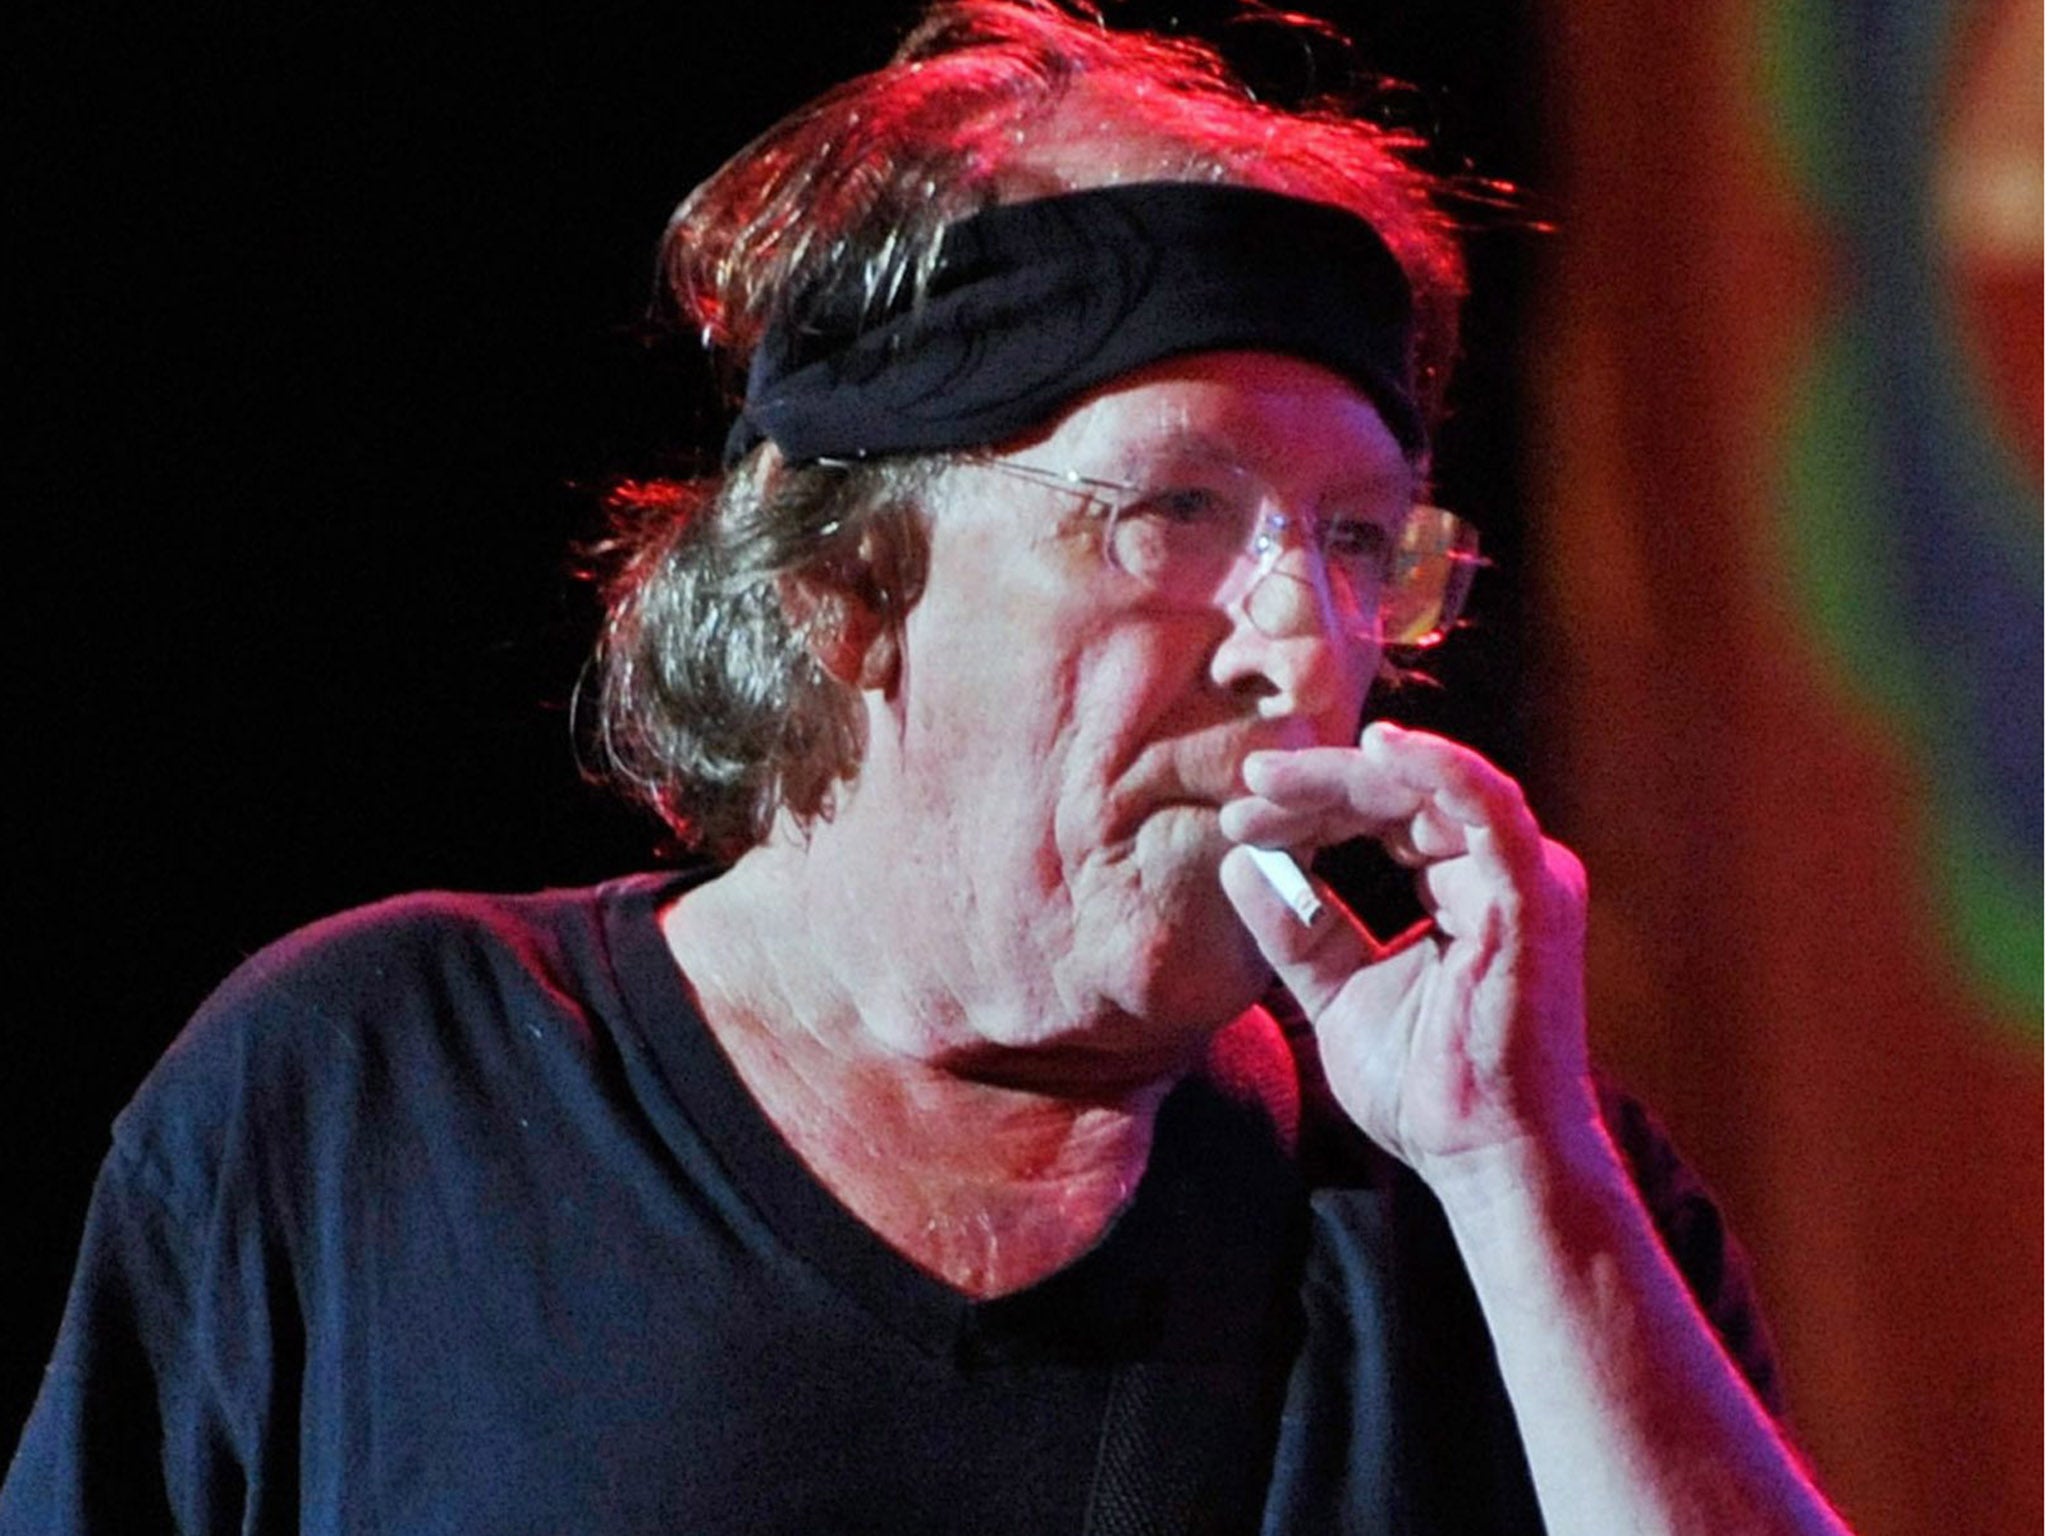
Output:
(1786, 533)
(330, 328)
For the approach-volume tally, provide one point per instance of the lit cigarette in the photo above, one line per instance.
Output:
(1289, 883)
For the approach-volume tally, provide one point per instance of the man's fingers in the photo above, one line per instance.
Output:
(1425, 838)
(1460, 893)
(1437, 807)
(1476, 808)
(1314, 961)
(1252, 820)
(1331, 779)
(1417, 793)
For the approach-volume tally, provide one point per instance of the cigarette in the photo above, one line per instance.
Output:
(1289, 883)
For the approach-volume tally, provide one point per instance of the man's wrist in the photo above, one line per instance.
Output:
(1507, 1191)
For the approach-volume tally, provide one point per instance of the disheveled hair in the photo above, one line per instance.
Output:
(712, 706)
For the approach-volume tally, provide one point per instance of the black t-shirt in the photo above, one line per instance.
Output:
(449, 1215)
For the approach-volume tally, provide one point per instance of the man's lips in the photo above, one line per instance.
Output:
(1161, 811)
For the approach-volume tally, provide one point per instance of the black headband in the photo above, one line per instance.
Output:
(1035, 303)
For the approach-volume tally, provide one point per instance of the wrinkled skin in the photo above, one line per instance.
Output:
(1069, 746)
(1467, 1035)
(1057, 746)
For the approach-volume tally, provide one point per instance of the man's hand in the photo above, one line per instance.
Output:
(1466, 1036)
(1460, 1047)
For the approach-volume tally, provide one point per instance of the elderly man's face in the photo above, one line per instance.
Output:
(1064, 735)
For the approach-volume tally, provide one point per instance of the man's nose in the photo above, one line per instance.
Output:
(1288, 591)
(1289, 643)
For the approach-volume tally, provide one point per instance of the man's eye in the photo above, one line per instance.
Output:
(1357, 539)
(1191, 505)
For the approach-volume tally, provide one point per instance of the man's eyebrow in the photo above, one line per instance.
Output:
(1206, 446)
(1181, 440)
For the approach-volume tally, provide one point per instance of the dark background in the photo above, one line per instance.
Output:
(328, 324)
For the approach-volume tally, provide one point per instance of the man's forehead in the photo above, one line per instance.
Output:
(1241, 409)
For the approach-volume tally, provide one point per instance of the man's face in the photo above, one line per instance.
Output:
(1062, 736)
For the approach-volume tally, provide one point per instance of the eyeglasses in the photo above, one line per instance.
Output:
(1397, 580)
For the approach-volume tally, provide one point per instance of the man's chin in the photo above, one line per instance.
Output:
(1204, 971)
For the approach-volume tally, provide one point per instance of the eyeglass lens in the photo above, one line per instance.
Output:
(1398, 578)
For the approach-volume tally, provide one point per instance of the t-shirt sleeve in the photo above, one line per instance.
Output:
(246, 1191)
(133, 1429)
(169, 1401)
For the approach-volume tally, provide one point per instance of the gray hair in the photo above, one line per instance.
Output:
(712, 706)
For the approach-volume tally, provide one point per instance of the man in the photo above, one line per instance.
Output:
(933, 1166)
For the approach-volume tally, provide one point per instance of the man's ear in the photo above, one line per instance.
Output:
(850, 613)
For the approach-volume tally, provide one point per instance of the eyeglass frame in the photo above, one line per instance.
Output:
(1458, 546)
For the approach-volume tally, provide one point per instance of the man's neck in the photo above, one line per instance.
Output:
(880, 1080)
